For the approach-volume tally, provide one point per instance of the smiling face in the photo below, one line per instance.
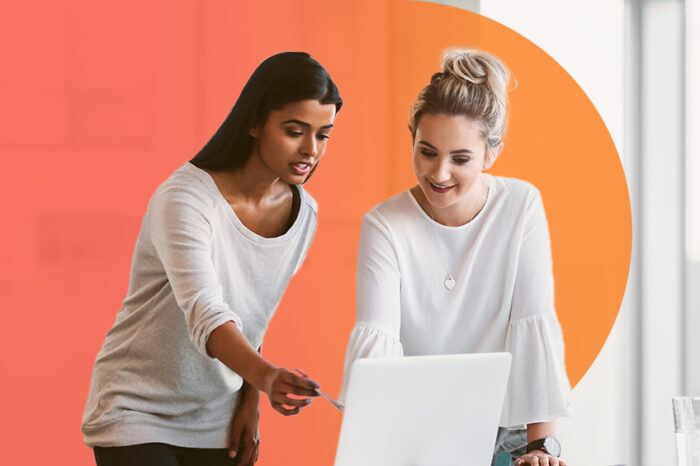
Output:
(449, 153)
(293, 139)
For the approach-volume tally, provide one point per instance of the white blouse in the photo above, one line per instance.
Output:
(503, 298)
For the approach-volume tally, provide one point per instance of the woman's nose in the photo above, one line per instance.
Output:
(441, 171)
(310, 146)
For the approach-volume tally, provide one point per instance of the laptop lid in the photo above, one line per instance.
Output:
(423, 410)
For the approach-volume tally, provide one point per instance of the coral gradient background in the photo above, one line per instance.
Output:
(101, 101)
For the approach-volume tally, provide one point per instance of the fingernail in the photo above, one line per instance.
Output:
(232, 453)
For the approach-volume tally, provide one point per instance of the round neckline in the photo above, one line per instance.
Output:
(429, 219)
(237, 223)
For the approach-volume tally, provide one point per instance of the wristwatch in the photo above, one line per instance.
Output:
(549, 445)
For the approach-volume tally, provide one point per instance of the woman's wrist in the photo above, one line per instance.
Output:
(227, 344)
(249, 394)
(261, 375)
(548, 445)
(248, 391)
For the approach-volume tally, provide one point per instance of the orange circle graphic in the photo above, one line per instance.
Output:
(106, 102)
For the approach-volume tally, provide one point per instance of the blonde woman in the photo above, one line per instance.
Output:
(461, 262)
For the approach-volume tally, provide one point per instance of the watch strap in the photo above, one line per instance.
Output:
(541, 444)
(536, 445)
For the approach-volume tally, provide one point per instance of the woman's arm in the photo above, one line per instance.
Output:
(227, 344)
(536, 431)
(181, 235)
(538, 387)
(378, 308)
(244, 438)
(540, 430)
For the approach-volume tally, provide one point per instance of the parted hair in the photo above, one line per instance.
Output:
(281, 79)
(473, 84)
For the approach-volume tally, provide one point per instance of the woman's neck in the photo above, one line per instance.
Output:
(253, 183)
(460, 213)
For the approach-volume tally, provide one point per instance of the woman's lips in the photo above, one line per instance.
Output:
(439, 188)
(301, 168)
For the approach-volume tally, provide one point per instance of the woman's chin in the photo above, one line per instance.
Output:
(293, 179)
(437, 200)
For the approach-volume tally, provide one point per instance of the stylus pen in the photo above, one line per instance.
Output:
(333, 402)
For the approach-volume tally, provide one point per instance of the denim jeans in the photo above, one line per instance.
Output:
(508, 441)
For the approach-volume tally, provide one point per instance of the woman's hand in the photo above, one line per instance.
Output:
(279, 383)
(538, 458)
(244, 439)
(228, 345)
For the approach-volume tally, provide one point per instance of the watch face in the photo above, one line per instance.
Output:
(551, 446)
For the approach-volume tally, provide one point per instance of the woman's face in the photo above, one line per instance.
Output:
(448, 156)
(293, 139)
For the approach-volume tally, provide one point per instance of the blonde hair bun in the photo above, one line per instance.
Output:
(472, 83)
(478, 68)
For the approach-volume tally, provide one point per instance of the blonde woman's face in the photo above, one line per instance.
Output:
(448, 156)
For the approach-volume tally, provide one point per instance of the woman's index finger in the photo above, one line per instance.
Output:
(305, 381)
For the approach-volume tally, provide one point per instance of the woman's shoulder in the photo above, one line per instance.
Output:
(307, 200)
(396, 207)
(399, 213)
(189, 185)
(513, 187)
(513, 192)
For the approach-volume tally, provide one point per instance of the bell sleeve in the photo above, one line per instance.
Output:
(538, 387)
(377, 296)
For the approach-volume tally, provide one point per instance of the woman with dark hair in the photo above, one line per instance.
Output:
(177, 379)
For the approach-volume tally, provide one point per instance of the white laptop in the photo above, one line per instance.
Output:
(423, 410)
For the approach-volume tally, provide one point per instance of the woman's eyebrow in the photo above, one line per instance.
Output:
(305, 124)
(454, 152)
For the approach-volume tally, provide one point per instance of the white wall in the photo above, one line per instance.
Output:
(692, 170)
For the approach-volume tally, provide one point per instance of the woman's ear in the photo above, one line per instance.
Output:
(491, 156)
(254, 131)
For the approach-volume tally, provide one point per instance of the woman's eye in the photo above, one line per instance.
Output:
(294, 133)
(322, 136)
(461, 161)
(428, 154)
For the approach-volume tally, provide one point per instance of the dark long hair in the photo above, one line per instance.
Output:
(282, 79)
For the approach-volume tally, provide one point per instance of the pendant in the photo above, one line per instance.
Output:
(450, 282)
